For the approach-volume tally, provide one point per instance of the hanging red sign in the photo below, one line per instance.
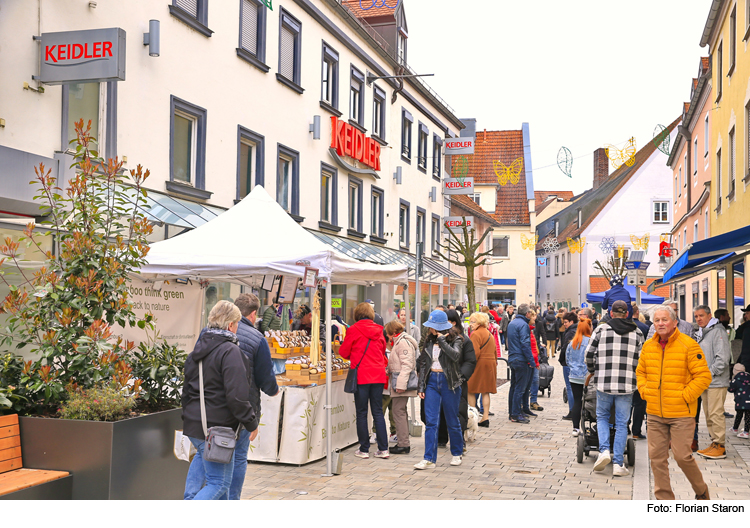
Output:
(664, 250)
(347, 140)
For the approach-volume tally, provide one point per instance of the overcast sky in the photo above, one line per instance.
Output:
(582, 73)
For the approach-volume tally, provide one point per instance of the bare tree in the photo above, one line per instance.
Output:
(467, 246)
(611, 267)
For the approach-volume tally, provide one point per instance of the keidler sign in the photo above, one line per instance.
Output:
(83, 56)
(463, 145)
(349, 141)
(456, 223)
(458, 186)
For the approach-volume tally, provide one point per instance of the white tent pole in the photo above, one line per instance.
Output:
(329, 402)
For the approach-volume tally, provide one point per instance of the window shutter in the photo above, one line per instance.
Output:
(250, 26)
(191, 6)
(287, 53)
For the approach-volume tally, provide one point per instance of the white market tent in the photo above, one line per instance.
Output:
(257, 237)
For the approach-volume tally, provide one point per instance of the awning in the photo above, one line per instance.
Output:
(433, 272)
(166, 209)
(645, 297)
(711, 250)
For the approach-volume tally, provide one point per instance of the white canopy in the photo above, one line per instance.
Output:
(257, 237)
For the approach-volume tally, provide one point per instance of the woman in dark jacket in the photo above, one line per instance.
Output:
(440, 384)
(568, 331)
(226, 390)
(364, 345)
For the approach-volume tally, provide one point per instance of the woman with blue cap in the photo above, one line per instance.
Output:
(440, 384)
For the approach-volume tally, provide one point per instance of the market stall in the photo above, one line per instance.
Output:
(234, 248)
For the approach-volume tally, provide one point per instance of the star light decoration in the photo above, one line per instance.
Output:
(376, 4)
(608, 245)
(550, 245)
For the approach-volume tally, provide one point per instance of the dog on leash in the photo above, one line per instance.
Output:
(472, 425)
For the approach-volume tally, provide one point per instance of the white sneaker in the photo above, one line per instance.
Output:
(456, 461)
(382, 454)
(576, 432)
(392, 439)
(424, 464)
(602, 461)
(743, 434)
(735, 431)
(620, 470)
(373, 438)
(360, 454)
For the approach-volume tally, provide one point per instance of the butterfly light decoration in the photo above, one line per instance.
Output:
(640, 243)
(529, 243)
(508, 173)
(565, 161)
(576, 246)
(620, 251)
(625, 155)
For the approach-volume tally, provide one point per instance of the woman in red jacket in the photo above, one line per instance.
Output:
(364, 346)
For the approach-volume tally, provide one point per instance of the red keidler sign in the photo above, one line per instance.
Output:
(347, 140)
(463, 145)
(456, 223)
(83, 56)
(458, 186)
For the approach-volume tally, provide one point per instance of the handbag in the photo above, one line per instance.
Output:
(412, 384)
(220, 441)
(350, 385)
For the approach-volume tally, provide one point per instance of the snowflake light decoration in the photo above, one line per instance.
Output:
(551, 245)
(608, 245)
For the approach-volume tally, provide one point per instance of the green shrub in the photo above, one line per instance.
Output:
(101, 404)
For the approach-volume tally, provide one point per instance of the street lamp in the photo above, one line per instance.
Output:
(663, 262)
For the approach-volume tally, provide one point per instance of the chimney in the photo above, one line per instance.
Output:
(601, 167)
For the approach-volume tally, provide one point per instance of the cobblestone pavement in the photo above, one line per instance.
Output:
(507, 461)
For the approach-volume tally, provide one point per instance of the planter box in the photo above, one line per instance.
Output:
(129, 459)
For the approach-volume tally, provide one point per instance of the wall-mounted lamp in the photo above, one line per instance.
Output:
(151, 39)
(315, 127)
(397, 175)
(665, 262)
(433, 195)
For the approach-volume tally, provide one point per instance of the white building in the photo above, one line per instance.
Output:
(227, 105)
(622, 208)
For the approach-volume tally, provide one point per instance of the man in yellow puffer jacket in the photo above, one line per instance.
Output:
(672, 372)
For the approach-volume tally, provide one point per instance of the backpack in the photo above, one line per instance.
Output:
(549, 326)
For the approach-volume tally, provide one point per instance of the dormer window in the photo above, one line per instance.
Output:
(401, 37)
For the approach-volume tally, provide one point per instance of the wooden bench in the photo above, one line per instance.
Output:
(17, 482)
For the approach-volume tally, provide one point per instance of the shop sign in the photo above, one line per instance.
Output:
(83, 56)
(349, 141)
(458, 186)
(456, 223)
(463, 145)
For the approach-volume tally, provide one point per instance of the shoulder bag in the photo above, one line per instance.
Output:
(411, 384)
(220, 441)
(350, 385)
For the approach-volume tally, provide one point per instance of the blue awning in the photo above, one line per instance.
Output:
(706, 254)
(646, 298)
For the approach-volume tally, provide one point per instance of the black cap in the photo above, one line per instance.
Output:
(619, 307)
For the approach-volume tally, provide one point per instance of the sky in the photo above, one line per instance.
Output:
(582, 73)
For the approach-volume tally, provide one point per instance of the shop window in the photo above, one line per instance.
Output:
(329, 85)
(249, 162)
(287, 179)
(378, 113)
(403, 224)
(356, 97)
(500, 247)
(194, 13)
(422, 148)
(290, 51)
(188, 143)
(95, 102)
(328, 194)
(437, 156)
(252, 46)
(407, 120)
(355, 205)
(661, 214)
(377, 209)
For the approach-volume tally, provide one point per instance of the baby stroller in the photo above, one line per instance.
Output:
(546, 372)
(588, 439)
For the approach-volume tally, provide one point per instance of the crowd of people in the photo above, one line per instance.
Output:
(660, 372)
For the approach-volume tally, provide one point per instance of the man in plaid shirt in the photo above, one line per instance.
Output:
(612, 357)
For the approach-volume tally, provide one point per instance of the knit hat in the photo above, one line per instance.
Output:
(616, 280)
(739, 367)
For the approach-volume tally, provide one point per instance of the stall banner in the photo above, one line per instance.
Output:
(265, 446)
(176, 309)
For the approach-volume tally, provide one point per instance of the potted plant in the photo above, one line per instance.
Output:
(89, 402)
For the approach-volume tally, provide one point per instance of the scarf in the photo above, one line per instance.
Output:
(699, 333)
(226, 333)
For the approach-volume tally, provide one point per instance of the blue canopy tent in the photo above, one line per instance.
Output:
(646, 298)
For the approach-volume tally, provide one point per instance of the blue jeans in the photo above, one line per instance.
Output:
(218, 477)
(519, 383)
(371, 393)
(197, 476)
(436, 393)
(566, 377)
(534, 391)
(623, 403)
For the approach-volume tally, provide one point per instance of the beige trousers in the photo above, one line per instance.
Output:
(398, 411)
(713, 409)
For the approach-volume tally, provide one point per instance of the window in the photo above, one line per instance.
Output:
(329, 84)
(356, 97)
(705, 223)
(422, 147)
(548, 269)
(355, 205)
(328, 194)
(290, 51)
(732, 40)
(661, 215)
(406, 122)
(732, 170)
(287, 180)
(188, 143)
(620, 260)
(695, 232)
(705, 132)
(562, 257)
(435, 233)
(500, 247)
(253, 33)
(378, 113)
(95, 102)
(557, 265)
(437, 156)
(695, 162)
(401, 45)
(250, 161)
(676, 188)
(679, 182)
(719, 69)
(476, 198)
(403, 224)
(377, 212)
(684, 238)
(718, 181)
(569, 259)
(194, 13)
(687, 171)
(421, 226)
(557, 228)
(538, 271)
(580, 217)
(747, 154)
